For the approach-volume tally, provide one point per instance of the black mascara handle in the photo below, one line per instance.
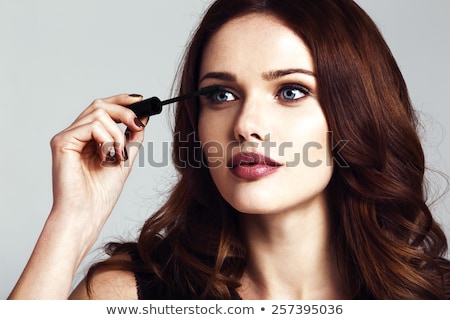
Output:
(151, 106)
(147, 107)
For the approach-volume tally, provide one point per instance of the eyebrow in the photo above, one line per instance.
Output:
(226, 76)
(276, 74)
(268, 75)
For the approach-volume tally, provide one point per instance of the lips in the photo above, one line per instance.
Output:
(252, 165)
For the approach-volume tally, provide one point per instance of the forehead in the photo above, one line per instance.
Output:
(260, 40)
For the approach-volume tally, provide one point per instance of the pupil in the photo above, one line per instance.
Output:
(289, 94)
(222, 96)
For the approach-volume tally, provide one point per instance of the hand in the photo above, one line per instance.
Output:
(84, 192)
(90, 160)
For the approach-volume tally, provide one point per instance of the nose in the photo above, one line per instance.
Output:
(251, 121)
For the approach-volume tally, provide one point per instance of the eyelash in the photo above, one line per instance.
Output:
(303, 90)
(212, 98)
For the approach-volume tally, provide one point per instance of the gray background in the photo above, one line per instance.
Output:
(57, 56)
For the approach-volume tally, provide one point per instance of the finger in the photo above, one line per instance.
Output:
(111, 142)
(144, 120)
(116, 111)
(136, 136)
(103, 118)
(123, 99)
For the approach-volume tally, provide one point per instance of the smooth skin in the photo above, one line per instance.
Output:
(287, 225)
(84, 194)
(265, 68)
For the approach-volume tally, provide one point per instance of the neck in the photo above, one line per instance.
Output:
(291, 255)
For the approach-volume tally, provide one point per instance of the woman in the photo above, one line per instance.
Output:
(301, 179)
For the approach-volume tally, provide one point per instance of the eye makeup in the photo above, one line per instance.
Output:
(152, 106)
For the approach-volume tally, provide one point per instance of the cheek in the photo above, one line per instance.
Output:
(309, 140)
(214, 127)
(211, 135)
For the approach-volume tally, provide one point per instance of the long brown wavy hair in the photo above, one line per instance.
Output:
(387, 243)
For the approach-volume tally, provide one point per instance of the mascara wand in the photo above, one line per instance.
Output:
(152, 106)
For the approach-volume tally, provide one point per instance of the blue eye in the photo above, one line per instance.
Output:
(293, 92)
(223, 96)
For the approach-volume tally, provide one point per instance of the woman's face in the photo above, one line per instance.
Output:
(265, 136)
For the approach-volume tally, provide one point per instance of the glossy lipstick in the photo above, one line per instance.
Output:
(252, 165)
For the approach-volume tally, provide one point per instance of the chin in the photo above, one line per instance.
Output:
(256, 206)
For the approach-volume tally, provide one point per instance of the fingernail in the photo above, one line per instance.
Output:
(110, 159)
(109, 162)
(135, 95)
(110, 155)
(139, 123)
(124, 154)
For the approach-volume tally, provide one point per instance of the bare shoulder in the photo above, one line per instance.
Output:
(108, 285)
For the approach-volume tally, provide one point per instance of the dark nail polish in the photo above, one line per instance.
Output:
(135, 95)
(124, 154)
(139, 123)
(110, 159)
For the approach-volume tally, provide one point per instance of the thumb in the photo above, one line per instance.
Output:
(133, 140)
